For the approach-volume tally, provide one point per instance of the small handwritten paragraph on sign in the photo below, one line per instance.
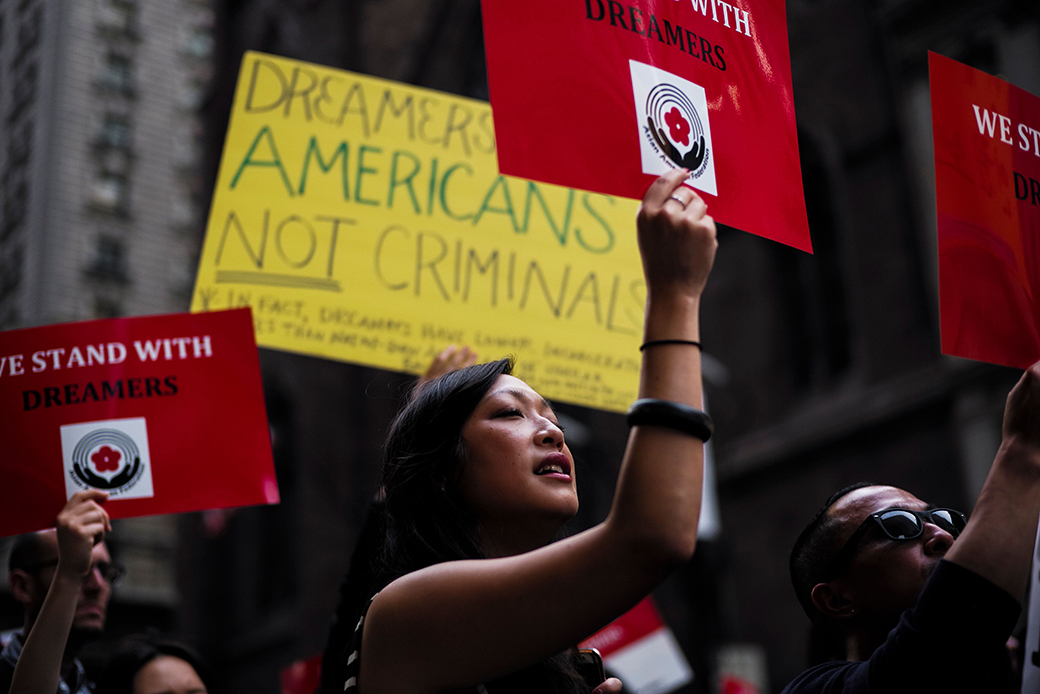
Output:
(365, 220)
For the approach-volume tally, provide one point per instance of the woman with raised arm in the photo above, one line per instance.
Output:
(462, 588)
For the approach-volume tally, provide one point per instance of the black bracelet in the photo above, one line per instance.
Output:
(671, 415)
(654, 343)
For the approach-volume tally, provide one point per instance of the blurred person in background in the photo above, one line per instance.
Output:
(464, 589)
(147, 664)
(81, 584)
(451, 358)
(923, 598)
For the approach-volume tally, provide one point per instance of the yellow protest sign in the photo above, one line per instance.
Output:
(365, 220)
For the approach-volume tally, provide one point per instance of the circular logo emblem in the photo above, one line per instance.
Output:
(676, 128)
(107, 459)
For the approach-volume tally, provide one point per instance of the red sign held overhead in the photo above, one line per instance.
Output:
(987, 188)
(605, 95)
(165, 413)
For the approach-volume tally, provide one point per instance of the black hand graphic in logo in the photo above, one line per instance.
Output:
(693, 159)
(99, 482)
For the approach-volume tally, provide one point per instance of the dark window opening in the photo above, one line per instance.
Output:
(110, 260)
(816, 345)
(115, 132)
(118, 74)
(107, 308)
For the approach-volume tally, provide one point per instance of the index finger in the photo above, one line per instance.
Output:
(89, 495)
(105, 524)
(666, 184)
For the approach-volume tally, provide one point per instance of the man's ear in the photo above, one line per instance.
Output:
(831, 600)
(21, 584)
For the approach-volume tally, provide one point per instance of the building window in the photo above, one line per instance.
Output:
(817, 343)
(193, 94)
(107, 308)
(200, 42)
(109, 256)
(118, 74)
(115, 132)
(188, 151)
(184, 210)
(116, 17)
(109, 192)
(110, 261)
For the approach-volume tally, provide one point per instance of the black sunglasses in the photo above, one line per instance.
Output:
(899, 524)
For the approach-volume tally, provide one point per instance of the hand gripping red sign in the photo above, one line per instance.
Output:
(165, 413)
(605, 95)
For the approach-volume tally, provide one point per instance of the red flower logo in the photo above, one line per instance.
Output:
(678, 128)
(106, 459)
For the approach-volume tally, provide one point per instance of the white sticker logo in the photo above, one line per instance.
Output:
(672, 116)
(110, 455)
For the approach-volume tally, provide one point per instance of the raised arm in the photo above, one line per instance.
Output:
(461, 623)
(998, 541)
(659, 489)
(81, 525)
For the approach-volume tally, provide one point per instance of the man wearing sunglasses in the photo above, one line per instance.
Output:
(33, 568)
(921, 598)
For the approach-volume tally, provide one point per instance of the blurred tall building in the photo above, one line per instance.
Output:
(100, 193)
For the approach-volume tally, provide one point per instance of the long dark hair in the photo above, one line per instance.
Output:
(419, 519)
(424, 520)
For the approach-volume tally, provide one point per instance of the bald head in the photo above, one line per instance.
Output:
(814, 548)
(853, 508)
(883, 576)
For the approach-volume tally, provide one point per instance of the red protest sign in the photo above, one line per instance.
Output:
(301, 676)
(639, 648)
(606, 95)
(987, 188)
(166, 413)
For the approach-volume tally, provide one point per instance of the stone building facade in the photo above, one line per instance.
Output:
(100, 193)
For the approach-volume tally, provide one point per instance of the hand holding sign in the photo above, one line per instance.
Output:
(677, 237)
(1021, 424)
(81, 525)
